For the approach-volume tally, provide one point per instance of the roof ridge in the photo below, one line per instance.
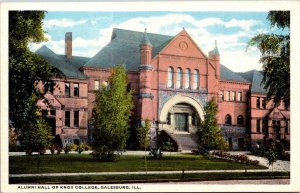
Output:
(141, 32)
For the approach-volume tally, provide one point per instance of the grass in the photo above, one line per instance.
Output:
(148, 178)
(127, 163)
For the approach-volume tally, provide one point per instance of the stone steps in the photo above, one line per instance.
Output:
(185, 141)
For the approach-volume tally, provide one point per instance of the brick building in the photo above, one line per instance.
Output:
(172, 80)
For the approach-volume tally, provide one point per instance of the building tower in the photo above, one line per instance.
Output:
(214, 57)
(145, 73)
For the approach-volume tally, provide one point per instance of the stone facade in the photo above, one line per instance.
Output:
(172, 80)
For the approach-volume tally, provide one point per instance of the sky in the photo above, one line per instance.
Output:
(91, 31)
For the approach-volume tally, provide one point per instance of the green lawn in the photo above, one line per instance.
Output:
(85, 163)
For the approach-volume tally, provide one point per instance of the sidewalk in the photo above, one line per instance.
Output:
(136, 173)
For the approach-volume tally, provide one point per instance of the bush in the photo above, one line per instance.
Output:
(237, 158)
(68, 148)
(74, 147)
(155, 153)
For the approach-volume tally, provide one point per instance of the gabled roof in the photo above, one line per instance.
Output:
(124, 48)
(255, 77)
(69, 67)
(229, 75)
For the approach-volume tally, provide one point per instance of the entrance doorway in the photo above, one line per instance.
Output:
(181, 121)
(276, 127)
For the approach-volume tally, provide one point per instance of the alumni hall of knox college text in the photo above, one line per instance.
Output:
(172, 80)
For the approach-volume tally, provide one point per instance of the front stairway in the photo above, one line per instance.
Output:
(185, 141)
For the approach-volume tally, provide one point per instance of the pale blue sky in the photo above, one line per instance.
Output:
(232, 30)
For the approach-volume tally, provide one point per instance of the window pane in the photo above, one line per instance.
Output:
(97, 83)
(222, 95)
(76, 89)
(187, 78)
(67, 89)
(170, 77)
(76, 118)
(233, 96)
(257, 102)
(227, 95)
(258, 126)
(240, 96)
(196, 79)
(179, 78)
(67, 118)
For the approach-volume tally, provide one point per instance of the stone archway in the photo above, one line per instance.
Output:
(174, 102)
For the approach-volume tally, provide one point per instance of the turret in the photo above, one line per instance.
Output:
(214, 57)
(145, 71)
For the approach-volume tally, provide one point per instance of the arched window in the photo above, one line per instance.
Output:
(240, 120)
(196, 79)
(179, 78)
(228, 119)
(170, 77)
(187, 78)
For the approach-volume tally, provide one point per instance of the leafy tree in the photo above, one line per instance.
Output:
(111, 116)
(26, 70)
(275, 57)
(209, 132)
(271, 154)
(142, 135)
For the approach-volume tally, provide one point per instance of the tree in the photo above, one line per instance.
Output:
(26, 70)
(142, 135)
(111, 116)
(275, 57)
(209, 132)
(270, 154)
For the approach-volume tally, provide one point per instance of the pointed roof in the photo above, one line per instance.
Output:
(255, 77)
(145, 40)
(229, 75)
(69, 67)
(215, 51)
(124, 48)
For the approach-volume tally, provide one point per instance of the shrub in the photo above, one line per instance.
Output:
(80, 148)
(68, 148)
(74, 147)
(155, 153)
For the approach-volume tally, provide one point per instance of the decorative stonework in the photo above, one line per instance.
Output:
(233, 131)
(166, 95)
(183, 45)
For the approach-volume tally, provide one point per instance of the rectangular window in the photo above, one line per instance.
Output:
(76, 118)
(264, 102)
(67, 89)
(286, 128)
(97, 84)
(258, 126)
(239, 96)
(67, 118)
(258, 102)
(227, 95)
(222, 95)
(233, 96)
(76, 89)
(48, 86)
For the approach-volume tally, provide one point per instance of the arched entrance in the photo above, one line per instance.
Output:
(181, 114)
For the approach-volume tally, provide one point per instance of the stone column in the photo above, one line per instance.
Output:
(189, 128)
(172, 121)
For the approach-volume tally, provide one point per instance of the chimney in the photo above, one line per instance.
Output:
(68, 45)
